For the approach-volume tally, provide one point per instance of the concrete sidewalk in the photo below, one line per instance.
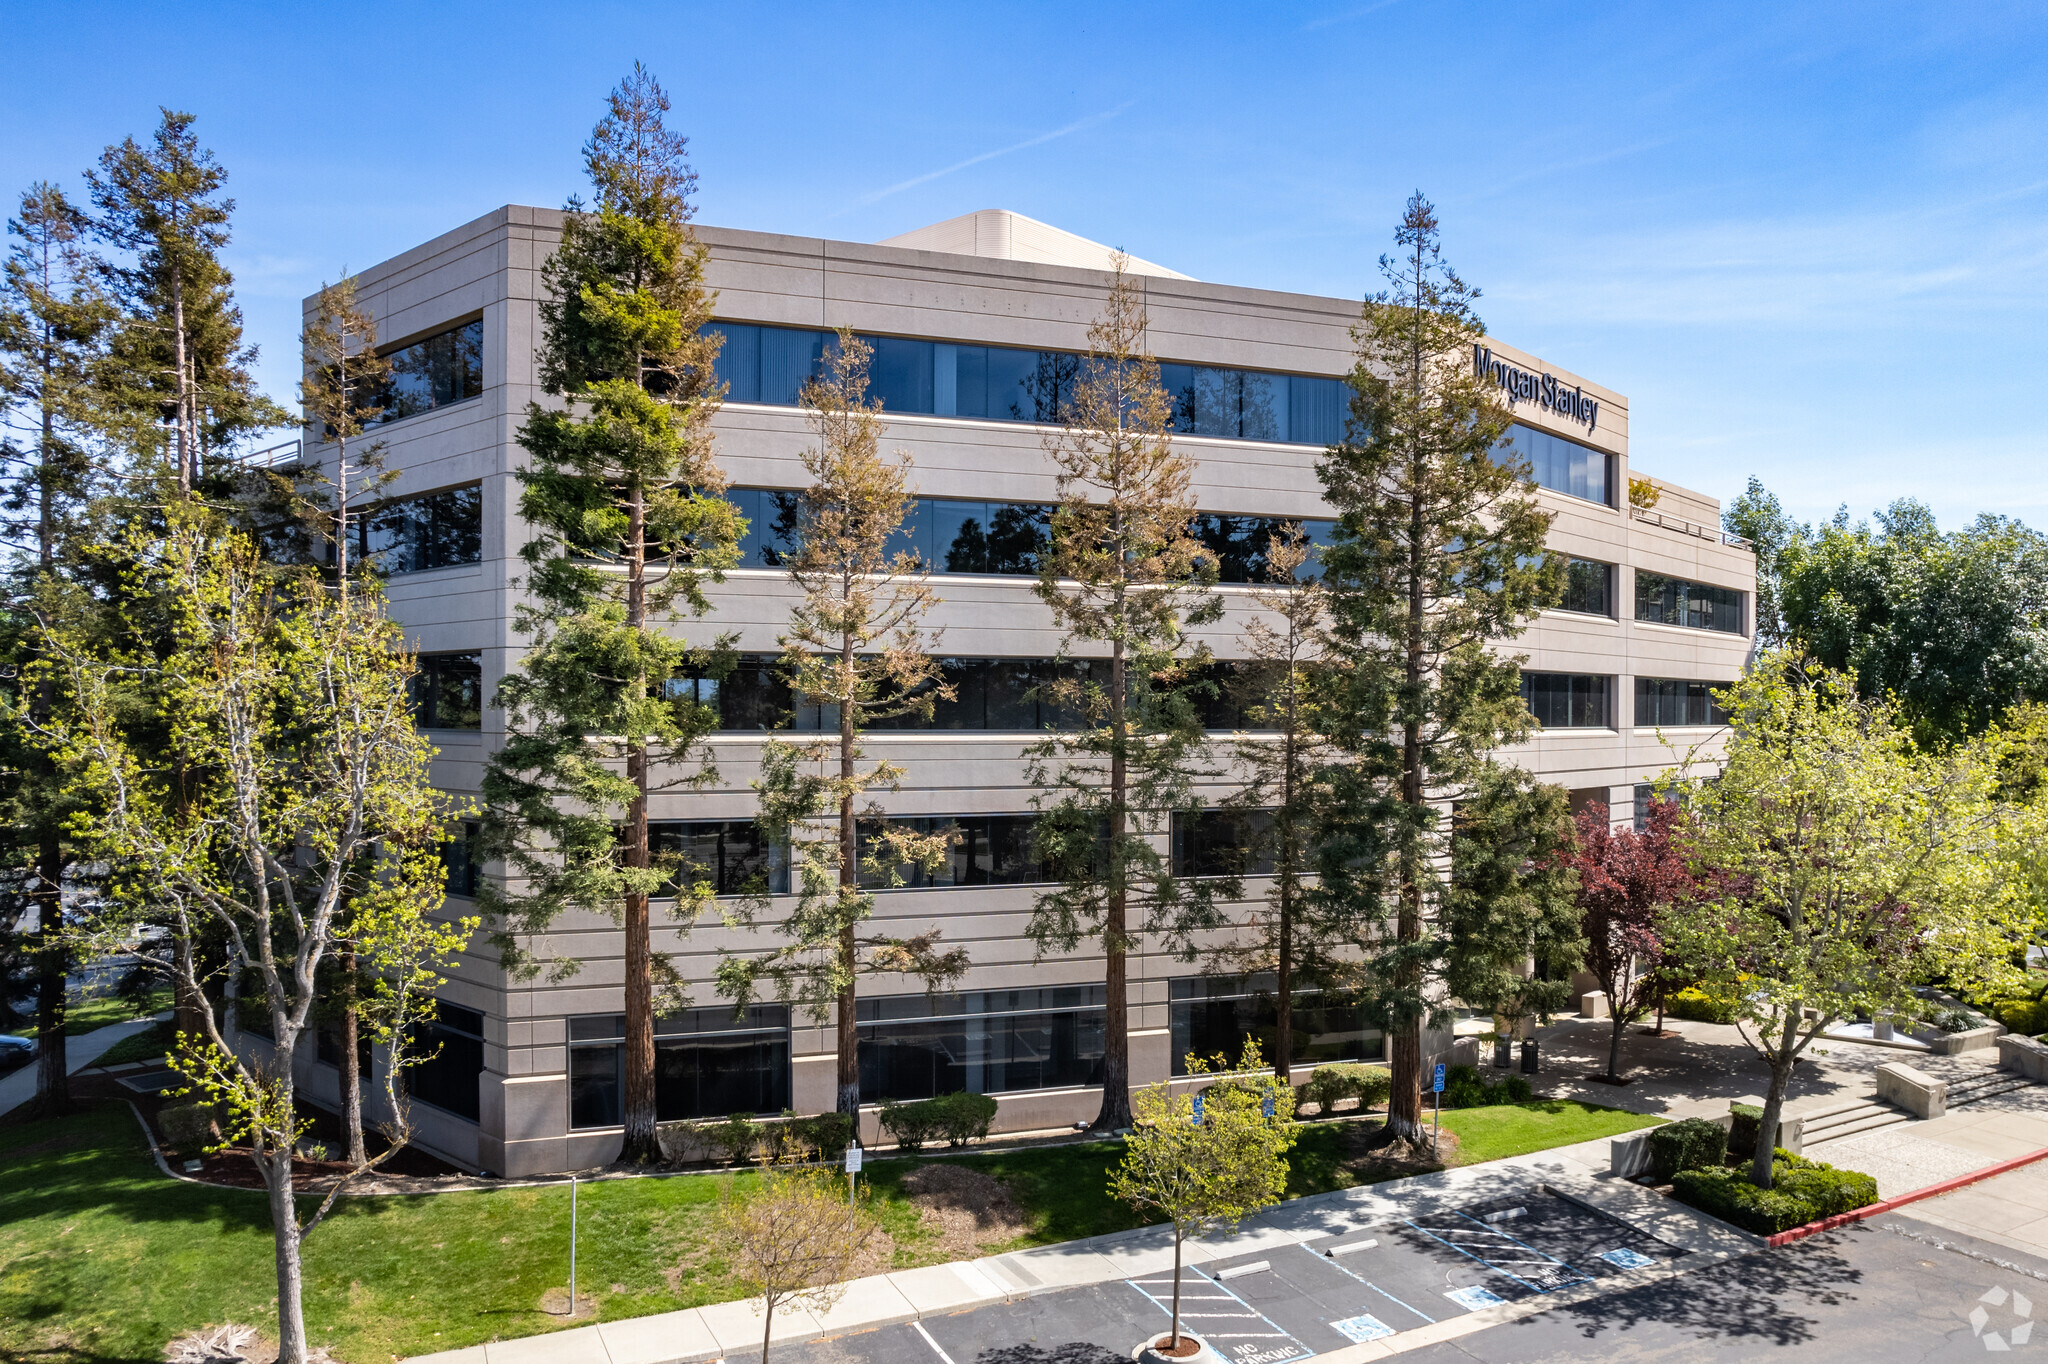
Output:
(734, 1328)
(19, 1087)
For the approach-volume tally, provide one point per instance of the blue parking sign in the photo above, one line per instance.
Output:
(1438, 1086)
(1198, 1110)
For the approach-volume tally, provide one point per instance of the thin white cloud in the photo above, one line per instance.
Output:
(1347, 16)
(914, 181)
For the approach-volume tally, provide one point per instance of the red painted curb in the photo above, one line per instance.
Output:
(1786, 1238)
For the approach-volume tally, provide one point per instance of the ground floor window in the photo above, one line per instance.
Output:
(454, 1047)
(1214, 1014)
(707, 1064)
(983, 1041)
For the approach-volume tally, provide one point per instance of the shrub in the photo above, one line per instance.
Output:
(1370, 1085)
(1515, 1089)
(1956, 1020)
(964, 1117)
(1700, 1007)
(1691, 1144)
(1463, 1088)
(1742, 1133)
(733, 1139)
(2027, 1016)
(186, 1124)
(826, 1134)
(1802, 1191)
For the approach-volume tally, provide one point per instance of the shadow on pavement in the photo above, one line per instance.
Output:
(1762, 1297)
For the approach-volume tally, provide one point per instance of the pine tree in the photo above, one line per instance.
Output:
(1438, 555)
(54, 319)
(622, 496)
(1281, 761)
(1123, 572)
(855, 650)
(183, 370)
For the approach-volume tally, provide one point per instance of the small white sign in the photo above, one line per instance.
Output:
(853, 1159)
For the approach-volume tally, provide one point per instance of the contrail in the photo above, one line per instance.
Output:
(929, 176)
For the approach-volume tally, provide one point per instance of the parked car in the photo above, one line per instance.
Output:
(16, 1052)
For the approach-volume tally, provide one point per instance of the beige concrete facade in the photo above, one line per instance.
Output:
(490, 269)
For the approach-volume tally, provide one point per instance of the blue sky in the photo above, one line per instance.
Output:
(1809, 243)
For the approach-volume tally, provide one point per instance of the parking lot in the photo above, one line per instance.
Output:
(1295, 1300)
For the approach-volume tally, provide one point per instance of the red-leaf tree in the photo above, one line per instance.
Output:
(1626, 879)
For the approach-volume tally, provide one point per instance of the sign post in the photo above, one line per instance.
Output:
(1437, 1088)
(572, 1247)
(852, 1169)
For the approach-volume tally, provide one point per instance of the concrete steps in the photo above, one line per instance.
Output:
(1984, 1086)
(1848, 1118)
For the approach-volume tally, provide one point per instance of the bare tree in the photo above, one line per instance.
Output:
(793, 1236)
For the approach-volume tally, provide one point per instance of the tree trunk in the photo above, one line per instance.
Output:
(351, 1078)
(1283, 1035)
(180, 362)
(1116, 1042)
(53, 1074)
(1614, 1047)
(1781, 1060)
(641, 1146)
(847, 1098)
(284, 1220)
(1404, 1102)
(1174, 1344)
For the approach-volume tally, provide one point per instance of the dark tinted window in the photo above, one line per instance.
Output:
(1674, 601)
(436, 372)
(985, 1042)
(454, 1042)
(1213, 1015)
(1670, 703)
(448, 691)
(732, 854)
(463, 873)
(987, 850)
(1588, 587)
(1223, 843)
(433, 531)
(1568, 700)
(707, 1064)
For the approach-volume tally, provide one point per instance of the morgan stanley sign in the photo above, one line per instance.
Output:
(1524, 387)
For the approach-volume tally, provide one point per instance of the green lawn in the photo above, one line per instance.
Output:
(104, 1260)
(145, 1045)
(90, 1015)
(1517, 1129)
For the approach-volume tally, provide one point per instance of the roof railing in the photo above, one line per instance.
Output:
(1692, 528)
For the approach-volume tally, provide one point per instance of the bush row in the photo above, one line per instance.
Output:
(1699, 1007)
(1801, 1191)
(959, 1118)
(1466, 1087)
(739, 1138)
(1327, 1085)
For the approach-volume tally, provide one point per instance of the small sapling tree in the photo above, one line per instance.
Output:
(1627, 882)
(792, 1236)
(1209, 1169)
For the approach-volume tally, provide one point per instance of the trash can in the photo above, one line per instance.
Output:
(1503, 1053)
(1529, 1057)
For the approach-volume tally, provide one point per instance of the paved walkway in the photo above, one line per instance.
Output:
(19, 1086)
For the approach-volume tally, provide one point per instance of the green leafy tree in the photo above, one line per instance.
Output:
(1281, 761)
(297, 822)
(1437, 558)
(181, 370)
(54, 320)
(621, 495)
(1955, 625)
(1123, 574)
(1210, 1169)
(1758, 517)
(856, 651)
(1509, 911)
(1842, 864)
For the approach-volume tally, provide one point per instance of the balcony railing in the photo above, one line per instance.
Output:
(1692, 528)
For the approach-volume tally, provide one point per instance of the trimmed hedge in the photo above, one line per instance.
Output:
(1700, 1007)
(1743, 1132)
(1691, 1144)
(1370, 1085)
(2029, 1016)
(958, 1118)
(186, 1125)
(1801, 1191)
(1466, 1087)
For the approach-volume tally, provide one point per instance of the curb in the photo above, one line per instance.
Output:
(1786, 1238)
